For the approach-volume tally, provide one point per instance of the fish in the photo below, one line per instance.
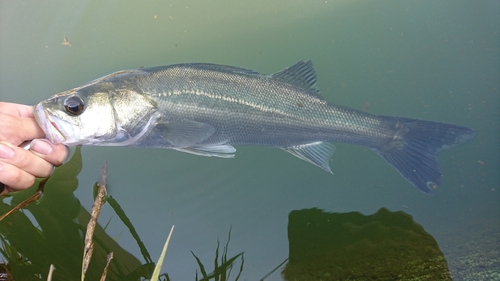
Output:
(207, 109)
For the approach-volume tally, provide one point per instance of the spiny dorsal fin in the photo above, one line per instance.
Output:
(301, 74)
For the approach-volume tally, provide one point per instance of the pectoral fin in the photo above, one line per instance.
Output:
(317, 153)
(185, 133)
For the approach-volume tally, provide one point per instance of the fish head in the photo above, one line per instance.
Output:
(96, 114)
(76, 117)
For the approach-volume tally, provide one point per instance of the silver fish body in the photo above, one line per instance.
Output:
(207, 109)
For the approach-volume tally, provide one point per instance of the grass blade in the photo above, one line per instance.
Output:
(202, 267)
(156, 272)
(123, 217)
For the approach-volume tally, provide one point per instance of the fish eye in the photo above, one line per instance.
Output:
(73, 105)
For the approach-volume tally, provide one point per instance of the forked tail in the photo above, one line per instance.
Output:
(414, 148)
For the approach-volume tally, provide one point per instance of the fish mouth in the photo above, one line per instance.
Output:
(49, 127)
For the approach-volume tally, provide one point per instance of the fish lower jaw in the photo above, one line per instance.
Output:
(55, 138)
(49, 127)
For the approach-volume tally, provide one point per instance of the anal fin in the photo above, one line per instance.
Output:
(317, 153)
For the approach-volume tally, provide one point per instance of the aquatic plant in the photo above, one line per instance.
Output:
(222, 269)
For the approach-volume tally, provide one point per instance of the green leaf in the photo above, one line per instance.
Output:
(156, 272)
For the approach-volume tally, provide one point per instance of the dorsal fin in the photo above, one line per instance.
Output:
(301, 74)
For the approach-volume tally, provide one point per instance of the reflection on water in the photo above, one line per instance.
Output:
(223, 267)
(348, 246)
(51, 232)
(57, 238)
(351, 246)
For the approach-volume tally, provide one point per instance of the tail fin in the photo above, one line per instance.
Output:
(415, 145)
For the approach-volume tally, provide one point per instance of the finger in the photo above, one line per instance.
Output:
(16, 109)
(13, 178)
(25, 110)
(16, 130)
(24, 160)
(55, 154)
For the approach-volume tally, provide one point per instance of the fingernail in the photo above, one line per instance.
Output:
(41, 146)
(6, 152)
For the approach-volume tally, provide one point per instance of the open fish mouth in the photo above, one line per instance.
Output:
(52, 132)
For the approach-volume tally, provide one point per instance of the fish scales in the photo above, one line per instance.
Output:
(253, 109)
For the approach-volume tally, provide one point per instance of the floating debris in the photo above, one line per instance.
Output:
(66, 41)
(366, 106)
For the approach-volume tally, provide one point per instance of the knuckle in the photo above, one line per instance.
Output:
(22, 159)
(14, 178)
(29, 181)
(41, 169)
(17, 179)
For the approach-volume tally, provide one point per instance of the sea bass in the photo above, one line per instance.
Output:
(207, 109)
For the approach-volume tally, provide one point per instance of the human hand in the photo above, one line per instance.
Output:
(19, 167)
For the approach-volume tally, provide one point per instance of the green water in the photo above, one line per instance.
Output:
(422, 59)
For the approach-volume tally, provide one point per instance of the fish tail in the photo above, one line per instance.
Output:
(415, 145)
